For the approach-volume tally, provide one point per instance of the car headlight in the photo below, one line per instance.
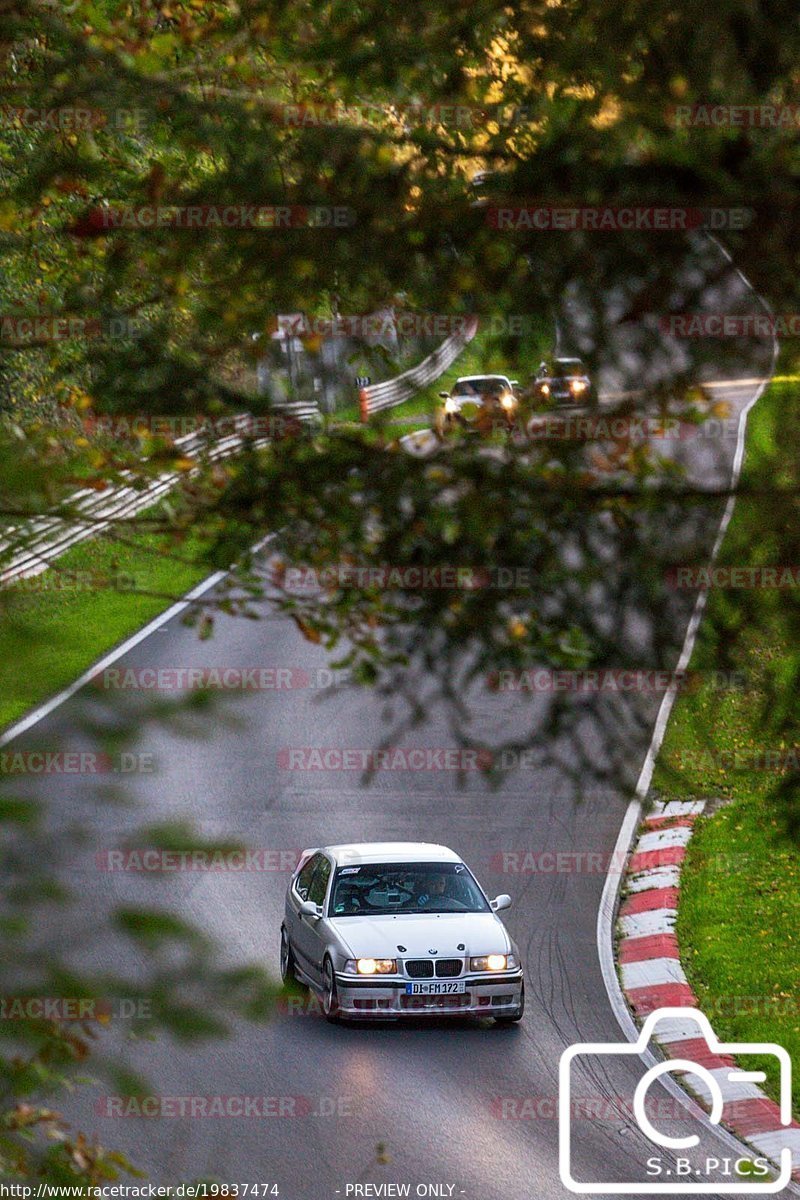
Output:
(371, 966)
(450, 405)
(545, 389)
(577, 386)
(508, 401)
(493, 962)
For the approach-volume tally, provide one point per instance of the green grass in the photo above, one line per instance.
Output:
(739, 916)
(50, 634)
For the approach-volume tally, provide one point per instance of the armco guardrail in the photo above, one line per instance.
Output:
(34, 544)
(43, 539)
(379, 396)
(301, 410)
(394, 391)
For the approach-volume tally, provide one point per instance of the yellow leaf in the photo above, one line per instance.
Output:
(309, 633)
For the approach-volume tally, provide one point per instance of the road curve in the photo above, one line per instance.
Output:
(469, 1107)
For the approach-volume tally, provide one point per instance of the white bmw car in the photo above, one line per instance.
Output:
(478, 403)
(398, 929)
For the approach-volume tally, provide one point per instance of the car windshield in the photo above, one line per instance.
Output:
(479, 387)
(568, 367)
(384, 888)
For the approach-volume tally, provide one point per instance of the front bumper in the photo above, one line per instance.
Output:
(485, 996)
(561, 393)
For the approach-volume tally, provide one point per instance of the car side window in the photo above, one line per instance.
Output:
(303, 882)
(319, 884)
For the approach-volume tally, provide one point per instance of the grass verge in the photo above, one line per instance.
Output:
(739, 916)
(94, 596)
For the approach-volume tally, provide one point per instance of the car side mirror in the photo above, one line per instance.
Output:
(500, 902)
(309, 909)
(444, 395)
(514, 382)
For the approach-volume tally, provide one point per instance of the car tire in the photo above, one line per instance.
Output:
(288, 973)
(516, 1015)
(330, 997)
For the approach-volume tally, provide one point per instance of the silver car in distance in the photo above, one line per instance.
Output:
(398, 929)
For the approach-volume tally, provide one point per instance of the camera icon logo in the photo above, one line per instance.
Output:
(707, 1084)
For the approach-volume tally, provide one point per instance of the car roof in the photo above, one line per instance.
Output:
(489, 375)
(385, 852)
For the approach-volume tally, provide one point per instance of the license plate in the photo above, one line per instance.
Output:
(437, 989)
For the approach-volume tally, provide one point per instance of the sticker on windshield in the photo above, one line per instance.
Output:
(349, 870)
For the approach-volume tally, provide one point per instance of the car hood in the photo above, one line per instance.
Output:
(463, 398)
(379, 937)
(464, 401)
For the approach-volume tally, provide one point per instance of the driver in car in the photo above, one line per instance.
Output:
(433, 891)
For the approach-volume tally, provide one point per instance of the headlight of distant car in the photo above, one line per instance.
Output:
(450, 405)
(371, 966)
(577, 386)
(545, 389)
(508, 401)
(493, 962)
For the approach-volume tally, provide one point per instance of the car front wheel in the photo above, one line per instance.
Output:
(288, 974)
(330, 997)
